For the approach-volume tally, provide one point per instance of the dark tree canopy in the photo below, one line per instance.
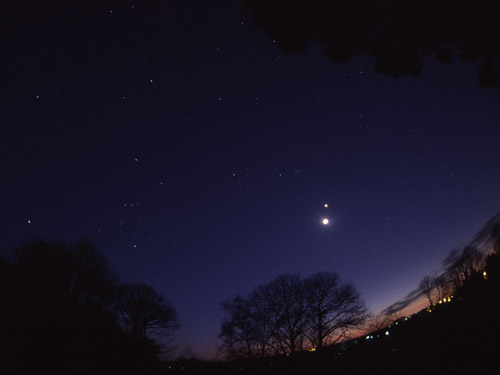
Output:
(76, 272)
(63, 311)
(334, 307)
(399, 34)
(146, 314)
(290, 314)
(286, 301)
(426, 285)
(466, 267)
(247, 330)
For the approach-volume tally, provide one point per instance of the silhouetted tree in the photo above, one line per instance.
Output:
(376, 322)
(441, 286)
(59, 312)
(284, 299)
(466, 269)
(146, 315)
(333, 308)
(245, 331)
(279, 316)
(495, 239)
(77, 272)
(263, 326)
(379, 321)
(92, 281)
(399, 34)
(271, 320)
(427, 285)
(492, 261)
(237, 328)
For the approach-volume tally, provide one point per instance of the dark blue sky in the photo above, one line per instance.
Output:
(199, 158)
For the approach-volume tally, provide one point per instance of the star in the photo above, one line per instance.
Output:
(325, 221)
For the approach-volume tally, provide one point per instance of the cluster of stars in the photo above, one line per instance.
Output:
(131, 205)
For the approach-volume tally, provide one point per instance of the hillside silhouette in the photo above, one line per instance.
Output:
(64, 311)
(458, 334)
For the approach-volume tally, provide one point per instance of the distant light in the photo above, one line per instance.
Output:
(387, 333)
(325, 221)
(326, 205)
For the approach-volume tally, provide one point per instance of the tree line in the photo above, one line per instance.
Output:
(289, 314)
(468, 268)
(400, 35)
(64, 310)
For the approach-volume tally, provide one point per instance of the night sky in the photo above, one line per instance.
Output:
(200, 158)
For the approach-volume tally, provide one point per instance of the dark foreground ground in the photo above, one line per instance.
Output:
(457, 337)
